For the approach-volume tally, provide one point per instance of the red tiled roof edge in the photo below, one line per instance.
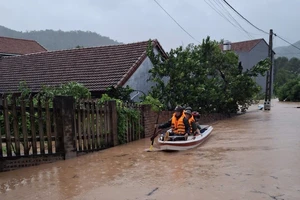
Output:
(141, 59)
(236, 46)
(267, 45)
(41, 46)
(132, 69)
(25, 40)
(258, 41)
(157, 44)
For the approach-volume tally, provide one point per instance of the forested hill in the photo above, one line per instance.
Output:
(288, 51)
(57, 40)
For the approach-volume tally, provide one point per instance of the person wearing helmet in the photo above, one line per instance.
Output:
(189, 109)
(193, 126)
(179, 125)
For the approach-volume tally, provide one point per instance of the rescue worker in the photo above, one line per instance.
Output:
(190, 109)
(179, 125)
(196, 116)
(193, 126)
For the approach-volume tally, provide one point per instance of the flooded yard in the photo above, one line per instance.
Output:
(252, 156)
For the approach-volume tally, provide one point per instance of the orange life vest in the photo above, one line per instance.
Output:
(191, 120)
(178, 126)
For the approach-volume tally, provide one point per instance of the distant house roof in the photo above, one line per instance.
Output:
(245, 46)
(95, 67)
(14, 46)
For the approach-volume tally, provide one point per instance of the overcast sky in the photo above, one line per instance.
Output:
(138, 20)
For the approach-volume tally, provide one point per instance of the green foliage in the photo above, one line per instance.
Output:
(156, 105)
(45, 96)
(290, 91)
(77, 90)
(204, 77)
(259, 96)
(259, 69)
(124, 113)
(122, 93)
(284, 71)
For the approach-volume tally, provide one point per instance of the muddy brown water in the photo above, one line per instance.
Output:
(252, 156)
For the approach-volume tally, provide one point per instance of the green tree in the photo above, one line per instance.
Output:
(122, 93)
(290, 91)
(77, 90)
(284, 71)
(204, 77)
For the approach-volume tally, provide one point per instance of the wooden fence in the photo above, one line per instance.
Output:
(27, 127)
(94, 123)
(31, 129)
(99, 126)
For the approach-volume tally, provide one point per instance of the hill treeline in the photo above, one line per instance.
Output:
(288, 51)
(57, 40)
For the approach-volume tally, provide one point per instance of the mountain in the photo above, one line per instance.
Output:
(288, 51)
(57, 40)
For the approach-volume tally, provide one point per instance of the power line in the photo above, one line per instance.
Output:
(259, 28)
(286, 41)
(218, 3)
(176, 22)
(222, 15)
(245, 18)
(285, 49)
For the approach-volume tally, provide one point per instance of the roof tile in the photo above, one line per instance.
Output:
(245, 45)
(19, 46)
(95, 67)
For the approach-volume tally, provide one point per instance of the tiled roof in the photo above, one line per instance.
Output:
(95, 67)
(19, 46)
(245, 45)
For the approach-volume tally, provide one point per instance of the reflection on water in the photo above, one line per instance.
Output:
(242, 154)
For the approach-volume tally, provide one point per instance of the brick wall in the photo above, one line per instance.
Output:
(151, 116)
(9, 163)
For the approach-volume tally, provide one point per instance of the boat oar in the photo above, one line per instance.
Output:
(154, 133)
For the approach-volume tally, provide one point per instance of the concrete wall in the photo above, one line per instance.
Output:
(249, 59)
(139, 80)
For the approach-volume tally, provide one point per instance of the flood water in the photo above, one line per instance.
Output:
(253, 156)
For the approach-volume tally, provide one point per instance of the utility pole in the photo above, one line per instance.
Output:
(268, 95)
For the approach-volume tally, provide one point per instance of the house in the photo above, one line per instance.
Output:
(250, 53)
(14, 46)
(97, 68)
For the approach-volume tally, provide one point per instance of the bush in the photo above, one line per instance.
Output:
(124, 113)
(290, 91)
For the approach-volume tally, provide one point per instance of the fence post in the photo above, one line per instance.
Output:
(113, 122)
(63, 107)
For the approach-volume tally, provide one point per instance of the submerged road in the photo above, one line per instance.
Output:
(253, 156)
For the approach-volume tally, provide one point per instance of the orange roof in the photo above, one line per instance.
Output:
(19, 46)
(245, 45)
